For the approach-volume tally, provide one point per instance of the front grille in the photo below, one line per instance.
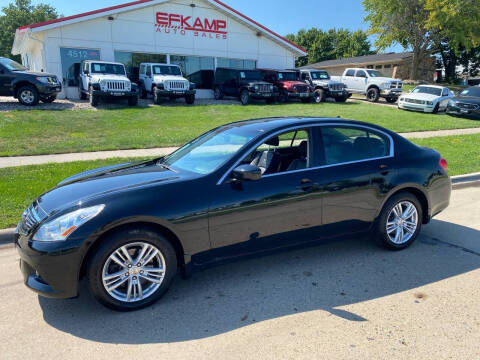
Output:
(414, 101)
(176, 85)
(468, 106)
(264, 88)
(31, 217)
(336, 87)
(115, 85)
(396, 85)
(301, 88)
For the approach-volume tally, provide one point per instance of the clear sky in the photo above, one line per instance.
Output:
(282, 16)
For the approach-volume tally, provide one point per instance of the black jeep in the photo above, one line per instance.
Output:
(27, 86)
(243, 84)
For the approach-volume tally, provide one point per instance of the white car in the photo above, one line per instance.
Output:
(426, 98)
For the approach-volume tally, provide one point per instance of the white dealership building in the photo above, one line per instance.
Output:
(198, 35)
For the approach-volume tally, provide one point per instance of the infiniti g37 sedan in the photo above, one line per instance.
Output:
(240, 189)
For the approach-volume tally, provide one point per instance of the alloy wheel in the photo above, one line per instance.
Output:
(27, 96)
(133, 272)
(402, 222)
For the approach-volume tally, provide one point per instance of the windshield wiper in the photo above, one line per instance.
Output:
(165, 166)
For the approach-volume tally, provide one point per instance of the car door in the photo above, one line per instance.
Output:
(230, 85)
(281, 209)
(357, 168)
(84, 76)
(148, 78)
(349, 79)
(6, 79)
(360, 83)
(446, 96)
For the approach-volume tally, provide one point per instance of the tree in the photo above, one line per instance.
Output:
(19, 13)
(332, 44)
(403, 22)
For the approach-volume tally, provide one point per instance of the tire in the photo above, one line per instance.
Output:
(283, 97)
(387, 215)
(391, 100)
(244, 97)
(83, 96)
(373, 94)
(319, 96)
(218, 93)
(133, 101)
(133, 240)
(28, 95)
(435, 109)
(341, 99)
(48, 99)
(156, 98)
(190, 99)
(94, 99)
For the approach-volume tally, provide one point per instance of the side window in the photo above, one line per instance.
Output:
(346, 144)
(149, 70)
(142, 70)
(350, 72)
(305, 76)
(361, 73)
(445, 92)
(85, 67)
(282, 153)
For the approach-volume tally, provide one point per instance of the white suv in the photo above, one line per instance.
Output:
(165, 80)
(102, 79)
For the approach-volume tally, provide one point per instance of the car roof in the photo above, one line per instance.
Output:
(160, 64)
(278, 123)
(103, 62)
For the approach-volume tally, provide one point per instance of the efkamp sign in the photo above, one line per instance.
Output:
(169, 23)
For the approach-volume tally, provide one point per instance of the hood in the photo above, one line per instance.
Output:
(467, 99)
(34, 73)
(169, 77)
(421, 96)
(327, 82)
(106, 180)
(254, 82)
(291, 83)
(100, 77)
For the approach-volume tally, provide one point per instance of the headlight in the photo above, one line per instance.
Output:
(401, 99)
(429, 102)
(128, 86)
(60, 228)
(452, 103)
(46, 79)
(256, 87)
(385, 85)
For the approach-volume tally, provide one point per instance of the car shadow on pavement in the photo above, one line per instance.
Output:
(224, 298)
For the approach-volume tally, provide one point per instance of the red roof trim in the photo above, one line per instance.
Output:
(138, 2)
(94, 12)
(260, 25)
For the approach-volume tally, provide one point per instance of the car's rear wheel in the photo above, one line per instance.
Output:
(157, 99)
(400, 221)
(218, 93)
(132, 269)
(391, 100)
(319, 96)
(28, 95)
(94, 98)
(435, 109)
(283, 97)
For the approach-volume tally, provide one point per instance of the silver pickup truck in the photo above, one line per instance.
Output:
(324, 87)
(371, 83)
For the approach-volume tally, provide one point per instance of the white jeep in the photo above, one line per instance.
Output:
(165, 80)
(102, 80)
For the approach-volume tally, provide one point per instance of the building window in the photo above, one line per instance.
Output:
(71, 59)
(133, 60)
(387, 66)
(369, 66)
(197, 69)
(236, 64)
(378, 66)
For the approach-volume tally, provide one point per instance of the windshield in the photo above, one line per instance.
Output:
(12, 65)
(251, 75)
(320, 75)
(375, 73)
(287, 76)
(472, 91)
(166, 70)
(211, 150)
(115, 69)
(427, 90)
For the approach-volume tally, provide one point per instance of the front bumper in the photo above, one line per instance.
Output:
(338, 94)
(416, 107)
(50, 269)
(48, 89)
(391, 92)
(123, 94)
(453, 110)
(263, 96)
(168, 93)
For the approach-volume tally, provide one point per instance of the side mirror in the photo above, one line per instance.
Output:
(247, 173)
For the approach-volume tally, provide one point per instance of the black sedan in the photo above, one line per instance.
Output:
(466, 104)
(244, 188)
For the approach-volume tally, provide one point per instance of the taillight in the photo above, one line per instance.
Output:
(443, 163)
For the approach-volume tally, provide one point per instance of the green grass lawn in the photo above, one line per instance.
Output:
(19, 186)
(46, 132)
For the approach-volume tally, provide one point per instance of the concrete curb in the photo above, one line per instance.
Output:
(458, 182)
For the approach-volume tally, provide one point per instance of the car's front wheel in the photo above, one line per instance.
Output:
(373, 94)
(132, 269)
(28, 95)
(244, 97)
(400, 221)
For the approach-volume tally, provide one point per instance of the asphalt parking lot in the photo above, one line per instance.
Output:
(344, 300)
